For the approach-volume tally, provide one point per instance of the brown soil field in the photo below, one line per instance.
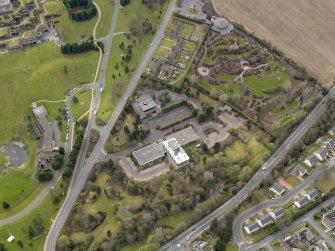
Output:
(303, 29)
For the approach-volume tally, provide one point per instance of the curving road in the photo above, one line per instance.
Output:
(238, 237)
(192, 232)
(83, 167)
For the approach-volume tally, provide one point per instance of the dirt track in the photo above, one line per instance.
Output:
(303, 29)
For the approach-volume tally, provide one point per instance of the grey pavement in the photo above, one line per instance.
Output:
(196, 229)
(84, 166)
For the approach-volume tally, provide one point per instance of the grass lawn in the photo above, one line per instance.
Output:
(114, 87)
(106, 8)
(256, 149)
(83, 104)
(47, 210)
(20, 189)
(326, 181)
(259, 86)
(30, 75)
(69, 30)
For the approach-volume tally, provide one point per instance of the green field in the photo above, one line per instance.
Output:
(106, 8)
(69, 30)
(83, 104)
(259, 86)
(30, 75)
(19, 187)
(47, 210)
(114, 87)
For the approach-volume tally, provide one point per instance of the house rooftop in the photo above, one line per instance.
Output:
(265, 219)
(312, 159)
(278, 188)
(303, 200)
(278, 211)
(313, 193)
(252, 226)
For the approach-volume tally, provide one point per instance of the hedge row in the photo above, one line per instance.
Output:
(83, 14)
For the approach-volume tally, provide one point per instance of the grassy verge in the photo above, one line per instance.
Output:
(106, 8)
(116, 77)
(82, 104)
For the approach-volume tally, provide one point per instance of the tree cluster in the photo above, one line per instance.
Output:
(74, 48)
(124, 2)
(73, 155)
(58, 159)
(45, 175)
(83, 14)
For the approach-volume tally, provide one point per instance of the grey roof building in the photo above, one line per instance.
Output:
(221, 25)
(251, 227)
(312, 194)
(301, 202)
(147, 104)
(184, 136)
(311, 160)
(277, 189)
(298, 171)
(149, 154)
(277, 212)
(330, 143)
(322, 153)
(46, 134)
(328, 220)
(264, 220)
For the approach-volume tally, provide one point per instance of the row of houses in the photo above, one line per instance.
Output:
(321, 154)
(306, 198)
(264, 220)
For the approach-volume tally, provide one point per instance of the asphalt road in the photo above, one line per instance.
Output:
(196, 229)
(84, 167)
(304, 219)
(238, 237)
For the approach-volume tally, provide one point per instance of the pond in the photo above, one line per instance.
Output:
(16, 153)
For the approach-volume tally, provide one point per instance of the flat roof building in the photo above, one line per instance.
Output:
(184, 136)
(149, 154)
(177, 154)
(147, 104)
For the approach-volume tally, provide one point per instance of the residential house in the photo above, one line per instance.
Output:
(311, 160)
(322, 153)
(251, 227)
(264, 220)
(277, 213)
(301, 202)
(328, 219)
(298, 171)
(277, 189)
(311, 195)
(332, 131)
(330, 143)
